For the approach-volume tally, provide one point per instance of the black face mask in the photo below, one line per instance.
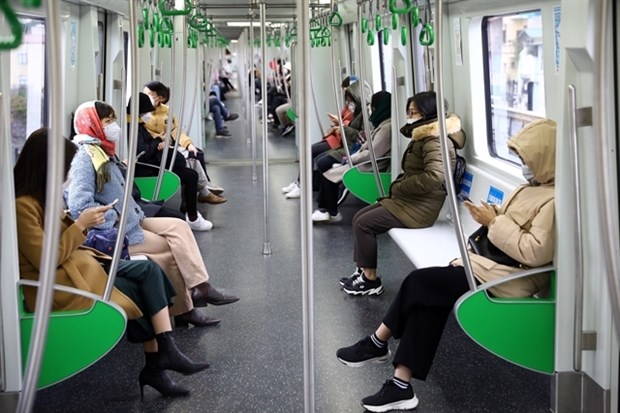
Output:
(407, 129)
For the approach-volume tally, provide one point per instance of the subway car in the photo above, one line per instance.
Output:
(292, 121)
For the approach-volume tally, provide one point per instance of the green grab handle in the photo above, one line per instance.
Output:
(378, 23)
(403, 10)
(174, 12)
(31, 3)
(370, 38)
(427, 35)
(156, 21)
(140, 35)
(386, 37)
(415, 16)
(364, 24)
(198, 21)
(145, 18)
(152, 38)
(293, 31)
(16, 27)
(168, 37)
(335, 19)
(161, 40)
(394, 21)
(403, 35)
(166, 26)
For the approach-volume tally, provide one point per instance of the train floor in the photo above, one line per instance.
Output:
(256, 353)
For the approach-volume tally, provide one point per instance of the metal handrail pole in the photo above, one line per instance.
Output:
(54, 204)
(263, 41)
(316, 106)
(373, 157)
(339, 105)
(253, 112)
(577, 230)
(183, 90)
(122, 148)
(195, 91)
(133, 148)
(302, 85)
(604, 154)
(395, 126)
(445, 151)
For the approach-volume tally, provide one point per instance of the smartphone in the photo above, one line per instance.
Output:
(113, 202)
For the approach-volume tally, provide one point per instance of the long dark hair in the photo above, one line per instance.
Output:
(426, 103)
(30, 171)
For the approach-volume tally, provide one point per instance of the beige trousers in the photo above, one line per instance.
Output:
(170, 243)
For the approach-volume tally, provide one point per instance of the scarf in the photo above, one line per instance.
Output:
(87, 122)
(381, 104)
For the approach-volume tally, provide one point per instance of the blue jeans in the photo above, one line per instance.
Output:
(220, 113)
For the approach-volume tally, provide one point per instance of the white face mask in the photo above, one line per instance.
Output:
(351, 106)
(112, 132)
(413, 120)
(146, 117)
(527, 174)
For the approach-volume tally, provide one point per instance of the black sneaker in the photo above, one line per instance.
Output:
(363, 352)
(391, 397)
(357, 273)
(231, 116)
(363, 286)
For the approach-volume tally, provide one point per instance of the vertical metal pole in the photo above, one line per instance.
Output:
(195, 88)
(336, 87)
(263, 41)
(55, 178)
(604, 155)
(133, 143)
(122, 146)
(395, 126)
(316, 107)
(302, 83)
(100, 91)
(253, 112)
(373, 158)
(445, 152)
(183, 90)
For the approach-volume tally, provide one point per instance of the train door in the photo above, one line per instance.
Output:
(586, 343)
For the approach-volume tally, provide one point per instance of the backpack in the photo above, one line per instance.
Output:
(104, 241)
(459, 171)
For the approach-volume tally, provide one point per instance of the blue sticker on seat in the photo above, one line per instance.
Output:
(466, 182)
(496, 196)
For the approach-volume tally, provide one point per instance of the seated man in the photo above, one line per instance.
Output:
(220, 114)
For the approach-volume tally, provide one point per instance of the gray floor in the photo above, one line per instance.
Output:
(256, 352)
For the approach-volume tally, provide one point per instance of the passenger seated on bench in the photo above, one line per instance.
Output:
(96, 180)
(522, 228)
(141, 287)
(330, 150)
(380, 137)
(415, 197)
(156, 123)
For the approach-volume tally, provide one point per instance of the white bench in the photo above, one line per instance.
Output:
(437, 245)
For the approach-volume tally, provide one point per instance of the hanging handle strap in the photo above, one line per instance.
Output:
(15, 25)
(335, 19)
(399, 10)
(427, 35)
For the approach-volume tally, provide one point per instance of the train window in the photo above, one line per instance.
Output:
(27, 83)
(514, 81)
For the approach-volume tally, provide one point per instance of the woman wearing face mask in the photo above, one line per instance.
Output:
(415, 197)
(522, 228)
(330, 149)
(96, 179)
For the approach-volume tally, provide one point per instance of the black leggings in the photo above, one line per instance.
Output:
(418, 314)
(189, 181)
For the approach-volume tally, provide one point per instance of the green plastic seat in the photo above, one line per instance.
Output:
(169, 186)
(363, 184)
(519, 330)
(75, 339)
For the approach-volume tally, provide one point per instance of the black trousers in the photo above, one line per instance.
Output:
(146, 284)
(418, 314)
(369, 222)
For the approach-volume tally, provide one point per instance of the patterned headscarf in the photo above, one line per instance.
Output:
(87, 122)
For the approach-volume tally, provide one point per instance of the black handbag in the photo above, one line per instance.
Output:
(481, 245)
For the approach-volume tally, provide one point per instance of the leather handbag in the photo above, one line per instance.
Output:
(481, 245)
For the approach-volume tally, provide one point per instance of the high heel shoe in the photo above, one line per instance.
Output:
(161, 381)
(169, 357)
(195, 318)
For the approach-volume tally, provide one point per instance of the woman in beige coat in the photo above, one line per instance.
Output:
(141, 287)
(523, 228)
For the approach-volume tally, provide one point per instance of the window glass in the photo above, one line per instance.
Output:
(513, 75)
(27, 82)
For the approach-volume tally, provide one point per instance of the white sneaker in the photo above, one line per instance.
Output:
(289, 187)
(294, 193)
(319, 216)
(200, 224)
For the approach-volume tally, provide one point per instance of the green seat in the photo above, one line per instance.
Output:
(364, 186)
(75, 339)
(169, 186)
(519, 330)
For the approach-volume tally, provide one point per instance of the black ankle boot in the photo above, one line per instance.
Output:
(169, 357)
(158, 379)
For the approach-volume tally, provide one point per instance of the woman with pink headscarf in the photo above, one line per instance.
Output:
(96, 179)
